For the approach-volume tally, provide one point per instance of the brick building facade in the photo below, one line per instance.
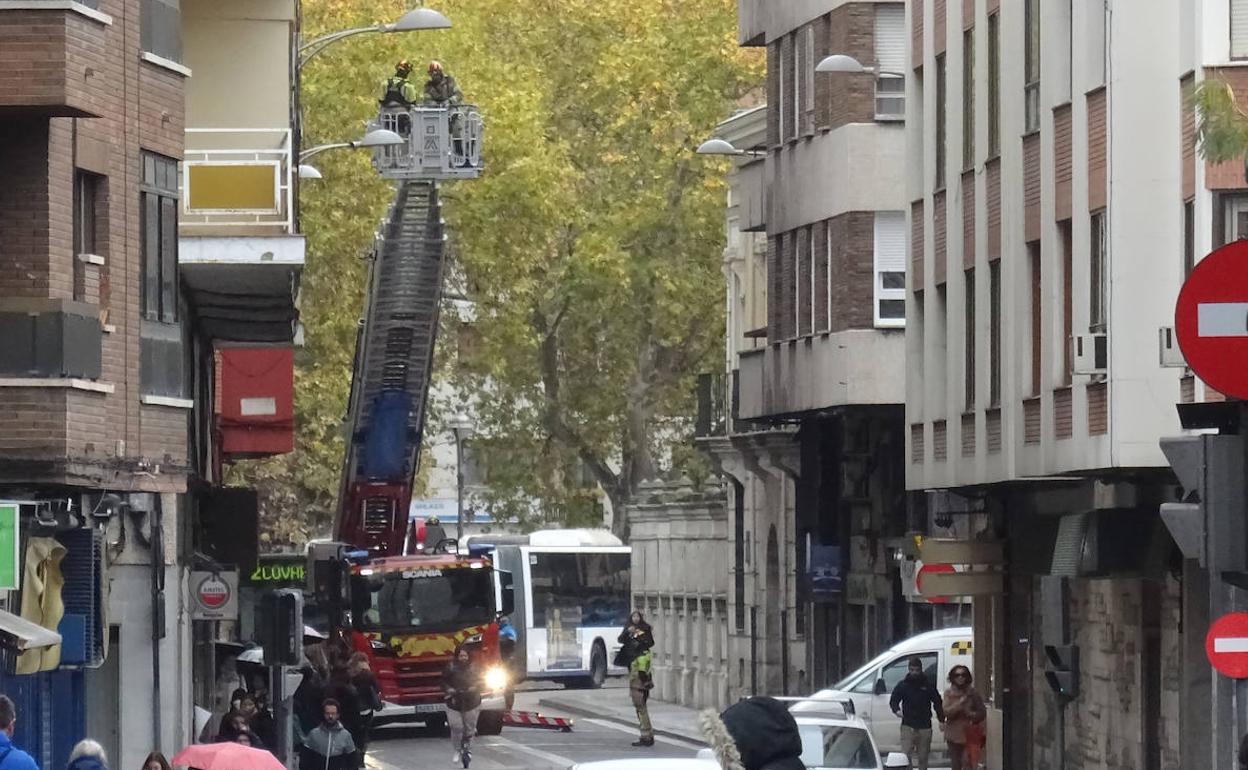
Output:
(108, 413)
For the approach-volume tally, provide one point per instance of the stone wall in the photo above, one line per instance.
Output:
(680, 566)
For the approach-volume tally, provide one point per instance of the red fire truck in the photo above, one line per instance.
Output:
(408, 611)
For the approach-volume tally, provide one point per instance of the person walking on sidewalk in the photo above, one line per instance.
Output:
(913, 700)
(11, 757)
(87, 755)
(639, 685)
(964, 713)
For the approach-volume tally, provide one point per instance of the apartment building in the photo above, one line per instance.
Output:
(1056, 204)
(114, 398)
(811, 444)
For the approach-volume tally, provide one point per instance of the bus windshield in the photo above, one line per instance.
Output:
(423, 599)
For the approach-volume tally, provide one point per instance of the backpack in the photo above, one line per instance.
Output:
(394, 92)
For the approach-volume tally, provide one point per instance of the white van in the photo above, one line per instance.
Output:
(871, 686)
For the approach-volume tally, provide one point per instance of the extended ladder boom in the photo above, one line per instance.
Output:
(394, 361)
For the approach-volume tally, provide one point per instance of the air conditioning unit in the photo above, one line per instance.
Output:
(1091, 353)
(1168, 353)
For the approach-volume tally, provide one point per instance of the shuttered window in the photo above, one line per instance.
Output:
(890, 55)
(890, 268)
(1239, 29)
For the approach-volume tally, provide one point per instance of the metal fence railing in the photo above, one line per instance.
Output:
(237, 178)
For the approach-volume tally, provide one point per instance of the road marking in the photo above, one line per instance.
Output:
(678, 742)
(554, 759)
(1231, 644)
(1222, 319)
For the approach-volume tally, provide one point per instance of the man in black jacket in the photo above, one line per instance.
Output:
(913, 700)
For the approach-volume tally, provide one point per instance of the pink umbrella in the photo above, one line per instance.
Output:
(225, 756)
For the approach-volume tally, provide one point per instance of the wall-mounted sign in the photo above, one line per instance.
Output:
(214, 595)
(10, 543)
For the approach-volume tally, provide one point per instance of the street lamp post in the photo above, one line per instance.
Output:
(839, 62)
(461, 427)
(380, 137)
(415, 19)
(724, 147)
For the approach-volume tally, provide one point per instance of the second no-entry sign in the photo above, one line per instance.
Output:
(1226, 645)
(1211, 319)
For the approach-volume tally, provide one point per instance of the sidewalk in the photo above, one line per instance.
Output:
(612, 704)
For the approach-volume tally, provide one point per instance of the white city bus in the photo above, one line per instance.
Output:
(572, 598)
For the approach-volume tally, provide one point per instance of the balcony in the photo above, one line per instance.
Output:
(239, 253)
(237, 182)
(52, 58)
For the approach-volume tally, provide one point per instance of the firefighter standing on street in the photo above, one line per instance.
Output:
(639, 685)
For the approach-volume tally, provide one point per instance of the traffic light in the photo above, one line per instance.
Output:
(1208, 522)
(279, 627)
(1062, 671)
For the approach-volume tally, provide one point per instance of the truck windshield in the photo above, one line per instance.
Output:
(423, 599)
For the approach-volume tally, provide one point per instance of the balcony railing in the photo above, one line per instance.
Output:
(237, 181)
(442, 142)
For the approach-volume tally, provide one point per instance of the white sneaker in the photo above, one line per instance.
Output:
(455, 759)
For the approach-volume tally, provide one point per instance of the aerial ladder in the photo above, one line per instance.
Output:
(398, 330)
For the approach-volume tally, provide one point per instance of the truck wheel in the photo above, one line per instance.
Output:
(490, 723)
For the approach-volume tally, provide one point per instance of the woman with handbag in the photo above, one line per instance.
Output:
(964, 717)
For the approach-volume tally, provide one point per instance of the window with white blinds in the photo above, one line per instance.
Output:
(890, 269)
(1239, 29)
(890, 56)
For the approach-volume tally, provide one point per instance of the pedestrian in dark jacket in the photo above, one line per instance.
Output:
(913, 700)
(461, 681)
(87, 755)
(329, 746)
(636, 637)
(758, 733)
(367, 700)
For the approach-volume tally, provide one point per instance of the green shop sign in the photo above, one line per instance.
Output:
(278, 571)
(10, 542)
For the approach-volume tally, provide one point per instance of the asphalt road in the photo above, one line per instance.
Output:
(415, 747)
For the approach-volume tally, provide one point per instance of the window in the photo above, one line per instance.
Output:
(894, 672)
(968, 317)
(1068, 302)
(968, 99)
(1037, 328)
(161, 28)
(1097, 278)
(890, 55)
(1095, 39)
(827, 226)
(158, 222)
(807, 62)
(799, 80)
(812, 257)
(837, 745)
(585, 589)
(1031, 64)
(780, 90)
(890, 269)
(1239, 29)
(1235, 217)
(941, 131)
(994, 85)
(994, 333)
(1189, 237)
(86, 186)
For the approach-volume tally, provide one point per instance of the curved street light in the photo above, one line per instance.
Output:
(839, 62)
(413, 20)
(380, 137)
(723, 147)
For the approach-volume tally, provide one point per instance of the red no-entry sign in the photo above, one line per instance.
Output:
(932, 569)
(1226, 645)
(1211, 319)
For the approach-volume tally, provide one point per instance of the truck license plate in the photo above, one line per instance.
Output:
(430, 708)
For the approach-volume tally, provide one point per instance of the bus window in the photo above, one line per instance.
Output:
(594, 584)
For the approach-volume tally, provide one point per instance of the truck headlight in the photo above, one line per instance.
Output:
(496, 678)
(474, 639)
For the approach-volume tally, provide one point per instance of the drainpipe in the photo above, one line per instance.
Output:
(158, 615)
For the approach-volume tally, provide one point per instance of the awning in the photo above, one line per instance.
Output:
(20, 634)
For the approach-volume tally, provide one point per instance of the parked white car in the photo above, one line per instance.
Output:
(871, 686)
